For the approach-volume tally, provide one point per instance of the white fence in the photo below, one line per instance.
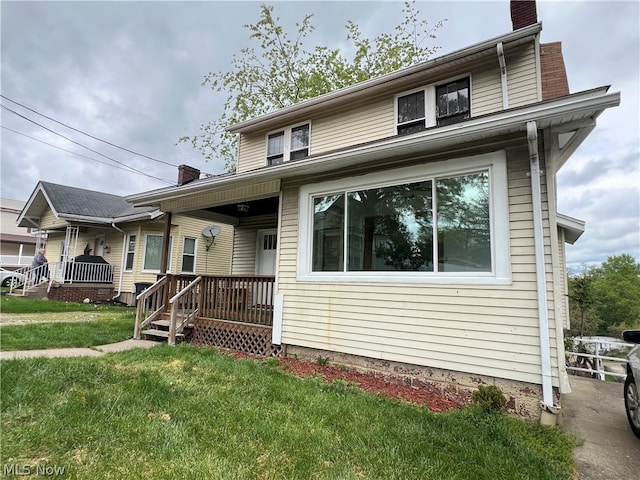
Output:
(590, 357)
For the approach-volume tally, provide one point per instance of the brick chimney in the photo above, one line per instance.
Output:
(554, 73)
(523, 13)
(187, 174)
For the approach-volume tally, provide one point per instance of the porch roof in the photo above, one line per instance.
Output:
(80, 205)
(570, 118)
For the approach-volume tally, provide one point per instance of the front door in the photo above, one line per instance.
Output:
(266, 244)
(267, 241)
(98, 245)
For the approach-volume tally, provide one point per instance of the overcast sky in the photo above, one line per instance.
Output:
(131, 73)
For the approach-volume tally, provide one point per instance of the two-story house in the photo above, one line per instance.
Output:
(409, 221)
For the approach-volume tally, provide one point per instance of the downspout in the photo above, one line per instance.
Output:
(543, 318)
(503, 75)
(123, 259)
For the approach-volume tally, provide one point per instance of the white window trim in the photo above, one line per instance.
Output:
(430, 99)
(286, 156)
(144, 253)
(126, 252)
(195, 256)
(494, 162)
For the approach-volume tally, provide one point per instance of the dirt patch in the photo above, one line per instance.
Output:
(372, 382)
(51, 317)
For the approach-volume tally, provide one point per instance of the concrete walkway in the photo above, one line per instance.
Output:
(594, 413)
(78, 352)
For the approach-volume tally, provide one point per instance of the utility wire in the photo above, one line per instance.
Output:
(74, 153)
(89, 135)
(84, 146)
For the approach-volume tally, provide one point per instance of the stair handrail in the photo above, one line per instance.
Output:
(142, 298)
(175, 305)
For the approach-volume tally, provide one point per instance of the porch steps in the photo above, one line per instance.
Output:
(159, 330)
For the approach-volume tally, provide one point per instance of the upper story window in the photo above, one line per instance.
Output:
(411, 113)
(433, 105)
(452, 102)
(290, 143)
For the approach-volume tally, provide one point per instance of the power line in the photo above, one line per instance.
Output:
(87, 134)
(75, 153)
(81, 145)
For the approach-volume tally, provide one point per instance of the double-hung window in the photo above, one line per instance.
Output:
(433, 105)
(411, 224)
(131, 248)
(452, 100)
(290, 143)
(189, 255)
(153, 253)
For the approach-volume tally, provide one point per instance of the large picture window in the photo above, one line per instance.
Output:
(153, 253)
(439, 225)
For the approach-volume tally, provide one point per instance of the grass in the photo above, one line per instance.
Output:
(108, 324)
(181, 412)
(67, 334)
(30, 305)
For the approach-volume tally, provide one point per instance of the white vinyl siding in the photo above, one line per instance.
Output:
(244, 245)
(521, 76)
(479, 329)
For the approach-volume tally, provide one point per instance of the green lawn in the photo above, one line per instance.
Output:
(187, 413)
(94, 324)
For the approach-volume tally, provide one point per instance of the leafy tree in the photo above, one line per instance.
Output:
(581, 303)
(282, 72)
(616, 292)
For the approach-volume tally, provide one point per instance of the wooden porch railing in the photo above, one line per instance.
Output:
(243, 299)
(184, 305)
(151, 304)
(246, 299)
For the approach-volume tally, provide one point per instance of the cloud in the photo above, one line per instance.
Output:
(131, 73)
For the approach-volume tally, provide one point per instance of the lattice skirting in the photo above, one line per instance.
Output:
(243, 337)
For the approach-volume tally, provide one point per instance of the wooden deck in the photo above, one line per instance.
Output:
(233, 312)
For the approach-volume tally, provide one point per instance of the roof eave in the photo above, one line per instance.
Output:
(362, 88)
(508, 121)
(573, 227)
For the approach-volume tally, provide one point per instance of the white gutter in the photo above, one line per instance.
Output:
(503, 75)
(541, 281)
(122, 260)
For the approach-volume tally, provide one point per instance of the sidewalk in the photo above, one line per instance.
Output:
(594, 413)
(78, 352)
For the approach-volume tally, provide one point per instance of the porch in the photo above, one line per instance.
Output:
(229, 311)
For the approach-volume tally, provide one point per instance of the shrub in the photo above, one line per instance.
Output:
(489, 399)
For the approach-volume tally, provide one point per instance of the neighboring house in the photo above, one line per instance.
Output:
(17, 244)
(103, 248)
(409, 221)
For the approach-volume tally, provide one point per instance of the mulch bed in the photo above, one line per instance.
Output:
(372, 382)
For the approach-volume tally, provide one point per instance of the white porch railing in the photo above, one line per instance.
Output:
(72, 272)
(592, 358)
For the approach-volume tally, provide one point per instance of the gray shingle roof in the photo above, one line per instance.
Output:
(89, 203)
